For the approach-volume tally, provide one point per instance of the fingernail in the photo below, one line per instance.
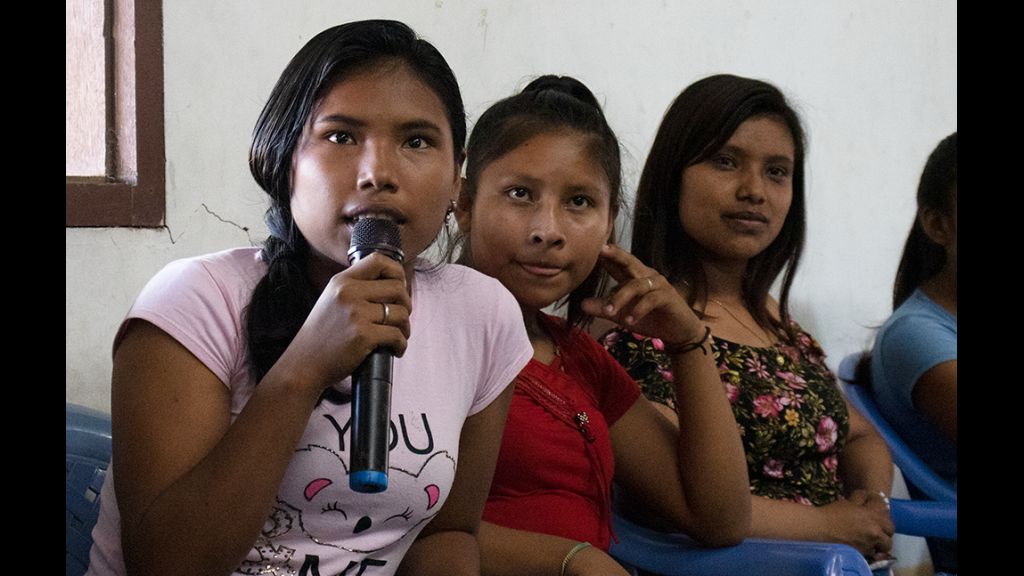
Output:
(629, 320)
(609, 309)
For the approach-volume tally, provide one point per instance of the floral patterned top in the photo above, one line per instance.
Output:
(791, 415)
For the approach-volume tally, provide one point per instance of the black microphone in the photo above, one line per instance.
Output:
(371, 381)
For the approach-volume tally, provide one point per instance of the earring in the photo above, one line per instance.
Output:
(448, 213)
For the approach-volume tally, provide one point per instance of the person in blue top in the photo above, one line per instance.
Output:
(913, 363)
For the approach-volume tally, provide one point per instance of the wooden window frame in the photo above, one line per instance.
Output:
(136, 199)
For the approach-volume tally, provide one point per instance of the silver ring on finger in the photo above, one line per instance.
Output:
(387, 313)
(650, 284)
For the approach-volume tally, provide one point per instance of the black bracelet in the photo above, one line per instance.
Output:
(677, 349)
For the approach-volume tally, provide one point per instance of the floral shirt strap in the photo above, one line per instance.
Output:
(643, 359)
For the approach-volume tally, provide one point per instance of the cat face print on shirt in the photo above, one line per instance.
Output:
(320, 527)
(330, 514)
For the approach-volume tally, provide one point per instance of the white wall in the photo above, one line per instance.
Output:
(876, 82)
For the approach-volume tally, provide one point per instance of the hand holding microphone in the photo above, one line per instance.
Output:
(371, 381)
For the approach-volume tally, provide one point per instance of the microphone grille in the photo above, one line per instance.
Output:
(376, 231)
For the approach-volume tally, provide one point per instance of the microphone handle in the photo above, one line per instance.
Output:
(371, 381)
(371, 422)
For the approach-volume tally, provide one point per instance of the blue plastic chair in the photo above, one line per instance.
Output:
(678, 555)
(87, 455)
(929, 518)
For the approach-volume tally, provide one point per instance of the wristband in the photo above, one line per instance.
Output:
(677, 349)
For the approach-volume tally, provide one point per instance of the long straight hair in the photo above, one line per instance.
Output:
(922, 258)
(700, 121)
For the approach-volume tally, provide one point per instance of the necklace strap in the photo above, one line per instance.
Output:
(759, 334)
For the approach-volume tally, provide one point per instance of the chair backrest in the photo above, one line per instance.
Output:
(914, 469)
(87, 454)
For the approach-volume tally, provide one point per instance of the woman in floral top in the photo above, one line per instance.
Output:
(791, 417)
(720, 213)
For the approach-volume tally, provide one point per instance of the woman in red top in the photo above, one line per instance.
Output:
(536, 211)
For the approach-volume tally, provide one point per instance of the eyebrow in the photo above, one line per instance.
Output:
(587, 188)
(773, 158)
(533, 182)
(411, 125)
(339, 119)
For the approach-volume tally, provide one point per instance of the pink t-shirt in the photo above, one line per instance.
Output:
(467, 344)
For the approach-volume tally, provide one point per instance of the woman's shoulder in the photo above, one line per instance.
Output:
(468, 305)
(800, 343)
(218, 271)
(462, 287)
(199, 301)
(448, 277)
(799, 330)
(919, 329)
(233, 263)
(210, 281)
(917, 312)
(236, 265)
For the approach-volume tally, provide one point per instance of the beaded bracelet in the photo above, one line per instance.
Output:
(568, 557)
(676, 349)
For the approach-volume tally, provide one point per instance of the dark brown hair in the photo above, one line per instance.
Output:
(284, 297)
(696, 126)
(922, 258)
(548, 104)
